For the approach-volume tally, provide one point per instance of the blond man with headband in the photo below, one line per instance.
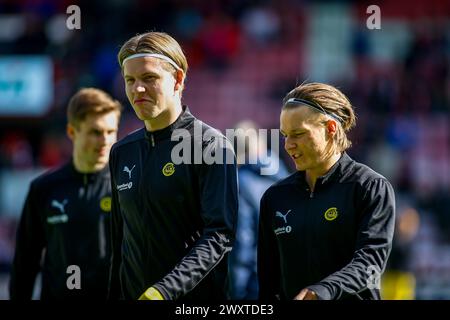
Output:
(173, 224)
(67, 210)
(325, 231)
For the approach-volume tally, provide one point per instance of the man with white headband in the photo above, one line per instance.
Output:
(325, 232)
(173, 224)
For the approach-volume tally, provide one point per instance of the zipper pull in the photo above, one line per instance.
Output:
(153, 139)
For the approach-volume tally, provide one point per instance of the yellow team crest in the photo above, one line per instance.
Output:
(105, 204)
(168, 169)
(331, 214)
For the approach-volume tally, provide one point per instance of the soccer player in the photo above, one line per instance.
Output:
(173, 222)
(67, 210)
(325, 231)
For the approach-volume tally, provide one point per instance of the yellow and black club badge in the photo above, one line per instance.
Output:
(105, 204)
(168, 169)
(331, 214)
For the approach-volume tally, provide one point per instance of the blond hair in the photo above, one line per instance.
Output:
(88, 101)
(333, 102)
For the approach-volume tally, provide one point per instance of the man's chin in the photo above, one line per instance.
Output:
(149, 115)
(100, 165)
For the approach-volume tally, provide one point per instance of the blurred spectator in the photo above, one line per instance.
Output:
(439, 204)
(55, 149)
(16, 150)
(385, 159)
(34, 39)
(7, 227)
(261, 24)
(398, 281)
(252, 185)
(219, 39)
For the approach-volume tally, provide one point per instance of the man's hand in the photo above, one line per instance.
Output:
(306, 294)
(151, 294)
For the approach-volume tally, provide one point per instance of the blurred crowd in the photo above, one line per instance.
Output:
(244, 56)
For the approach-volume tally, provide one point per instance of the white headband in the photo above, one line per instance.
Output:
(314, 106)
(154, 55)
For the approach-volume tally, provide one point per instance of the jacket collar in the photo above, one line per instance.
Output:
(86, 177)
(337, 171)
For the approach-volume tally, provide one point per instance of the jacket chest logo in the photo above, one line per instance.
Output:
(126, 185)
(168, 169)
(286, 228)
(61, 207)
(331, 214)
(105, 204)
(128, 170)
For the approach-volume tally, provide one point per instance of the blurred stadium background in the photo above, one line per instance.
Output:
(244, 56)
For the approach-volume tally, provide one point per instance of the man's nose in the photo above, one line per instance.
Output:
(289, 144)
(138, 87)
(103, 138)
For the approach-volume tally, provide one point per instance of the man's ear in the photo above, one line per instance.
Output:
(179, 80)
(331, 127)
(70, 130)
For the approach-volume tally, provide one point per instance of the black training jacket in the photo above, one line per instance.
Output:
(66, 215)
(172, 223)
(335, 241)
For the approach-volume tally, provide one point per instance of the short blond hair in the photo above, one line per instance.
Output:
(89, 101)
(333, 101)
(154, 42)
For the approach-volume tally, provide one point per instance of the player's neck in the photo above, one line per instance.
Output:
(314, 174)
(82, 167)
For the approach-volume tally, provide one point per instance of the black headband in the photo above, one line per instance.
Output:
(315, 106)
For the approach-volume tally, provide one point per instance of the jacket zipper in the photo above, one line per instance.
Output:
(153, 140)
(311, 192)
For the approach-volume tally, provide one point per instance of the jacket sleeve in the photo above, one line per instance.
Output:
(219, 204)
(116, 235)
(268, 257)
(373, 245)
(30, 241)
